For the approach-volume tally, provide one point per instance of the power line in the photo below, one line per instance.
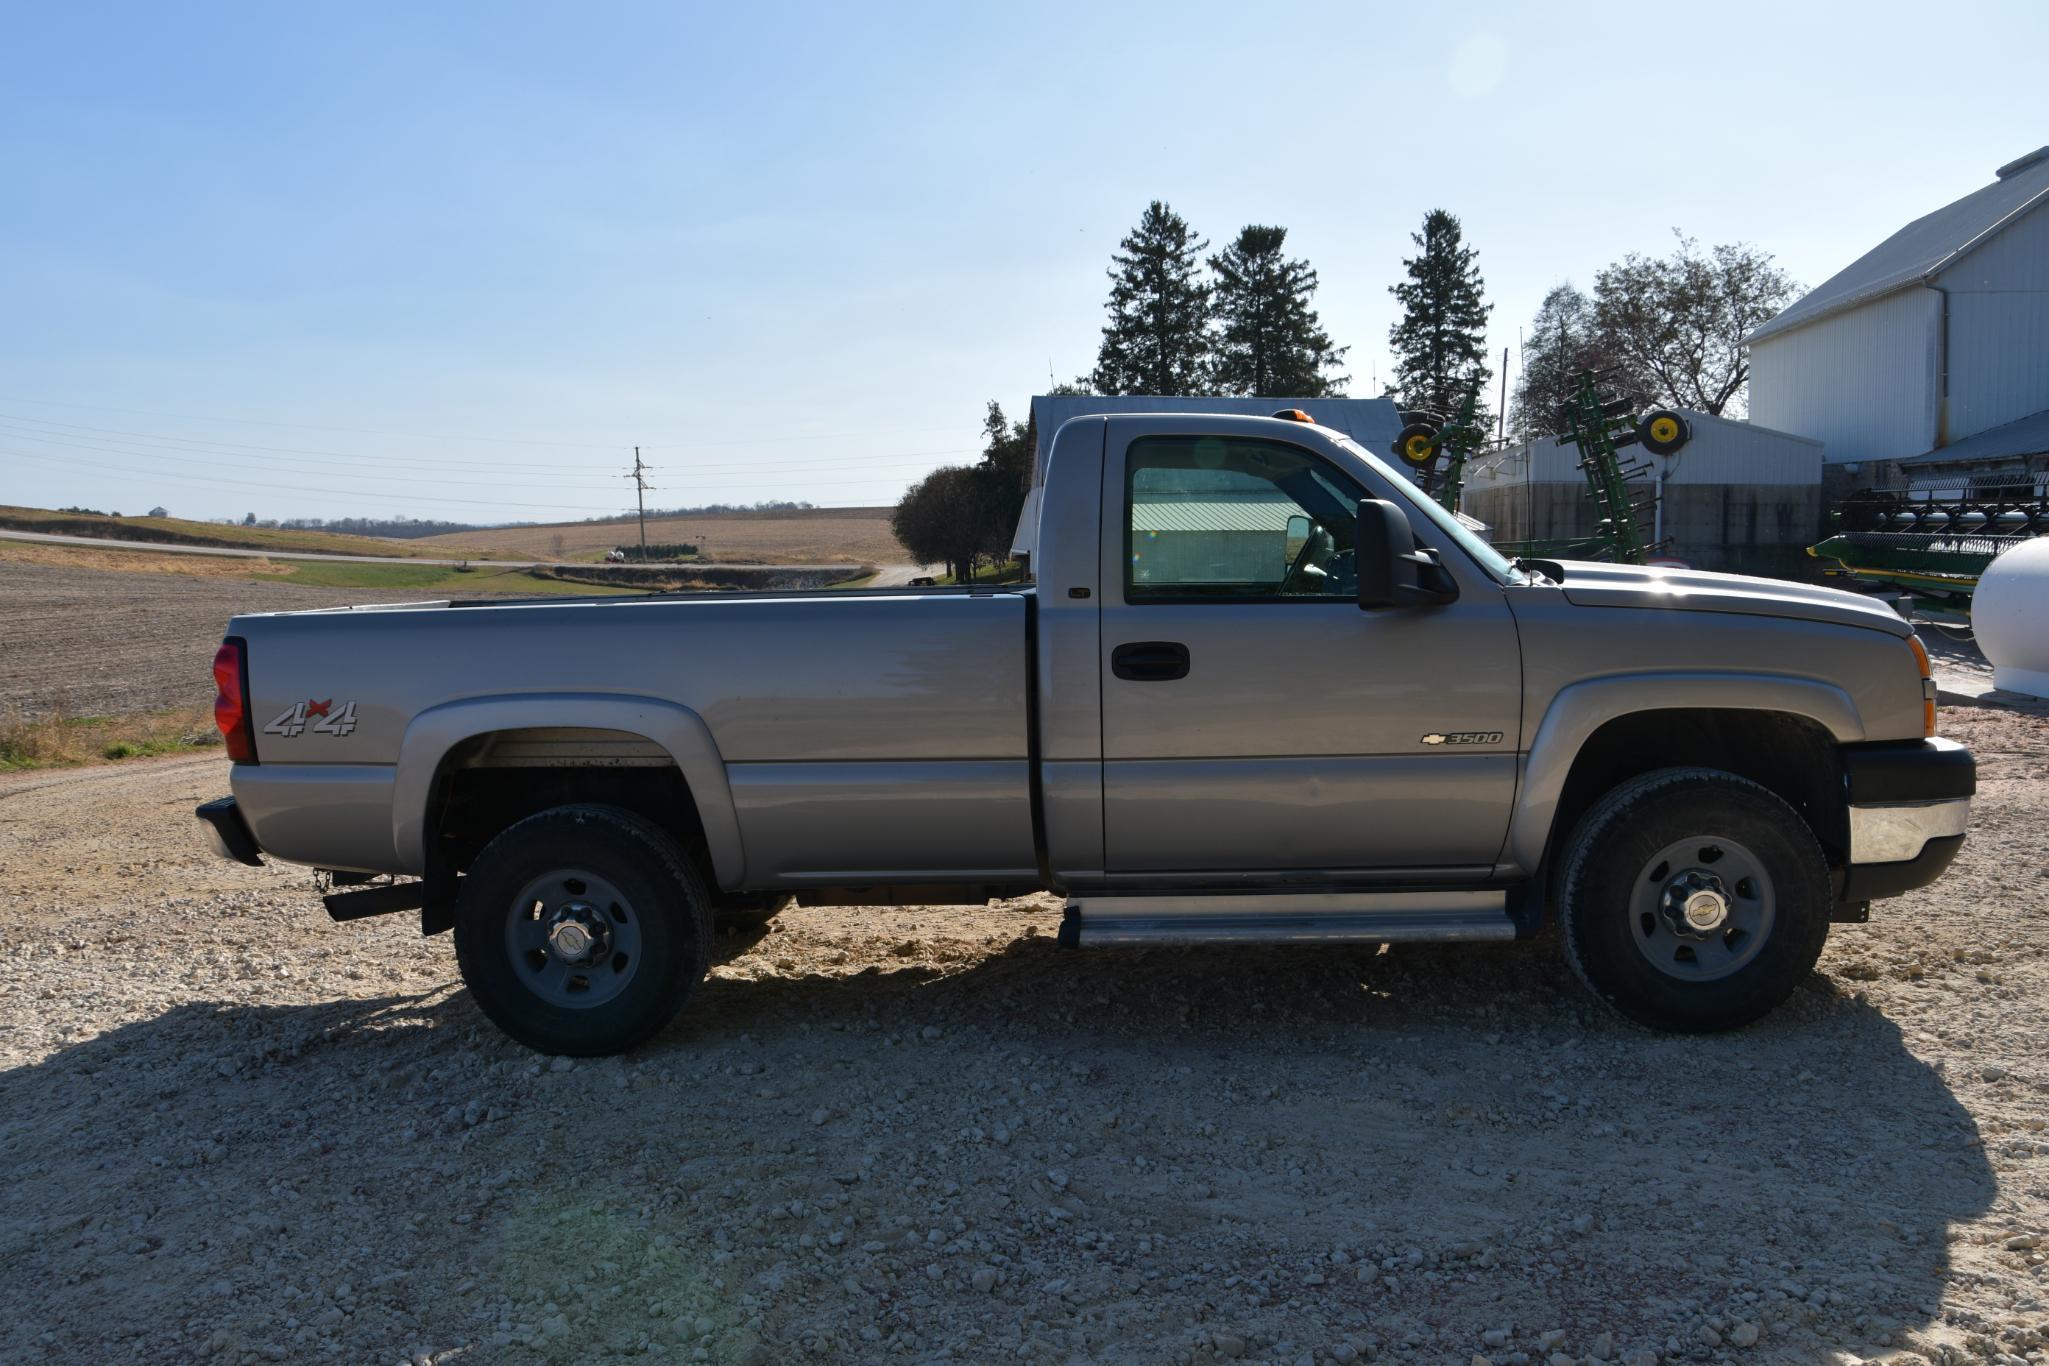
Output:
(72, 461)
(16, 421)
(416, 436)
(578, 480)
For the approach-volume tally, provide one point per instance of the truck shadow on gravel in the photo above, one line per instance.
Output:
(1118, 1134)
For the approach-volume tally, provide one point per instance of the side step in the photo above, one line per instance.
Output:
(1288, 918)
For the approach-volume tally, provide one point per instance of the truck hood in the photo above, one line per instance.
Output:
(1592, 584)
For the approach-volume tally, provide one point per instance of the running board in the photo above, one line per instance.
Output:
(1288, 918)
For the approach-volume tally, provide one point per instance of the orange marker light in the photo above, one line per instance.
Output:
(1294, 415)
(1927, 685)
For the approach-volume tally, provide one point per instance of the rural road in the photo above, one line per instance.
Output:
(883, 577)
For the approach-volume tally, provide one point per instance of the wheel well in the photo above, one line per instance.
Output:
(491, 781)
(1792, 756)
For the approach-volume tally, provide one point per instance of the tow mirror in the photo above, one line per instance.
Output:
(1392, 572)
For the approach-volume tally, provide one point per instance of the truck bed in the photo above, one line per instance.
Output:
(859, 731)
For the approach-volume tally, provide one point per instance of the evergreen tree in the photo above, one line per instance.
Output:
(1006, 474)
(1272, 344)
(1158, 338)
(1440, 345)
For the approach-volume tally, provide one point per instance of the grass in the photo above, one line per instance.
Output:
(58, 741)
(813, 536)
(429, 580)
(1009, 571)
(438, 579)
(178, 531)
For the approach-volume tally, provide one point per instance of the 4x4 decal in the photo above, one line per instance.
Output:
(324, 718)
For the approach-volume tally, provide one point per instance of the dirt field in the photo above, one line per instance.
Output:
(94, 641)
(820, 536)
(235, 1131)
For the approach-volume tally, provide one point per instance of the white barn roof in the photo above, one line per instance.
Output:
(1925, 248)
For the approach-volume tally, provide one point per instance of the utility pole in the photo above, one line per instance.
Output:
(639, 478)
(1501, 417)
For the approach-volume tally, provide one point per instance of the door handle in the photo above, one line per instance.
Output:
(1150, 661)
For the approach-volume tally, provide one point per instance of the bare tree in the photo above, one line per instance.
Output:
(1679, 322)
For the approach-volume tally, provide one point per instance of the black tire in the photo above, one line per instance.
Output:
(1663, 971)
(650, 891)
(1663, 431)
(1416, 444)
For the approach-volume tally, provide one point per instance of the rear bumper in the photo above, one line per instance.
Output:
(1910, 805)
(227, 832)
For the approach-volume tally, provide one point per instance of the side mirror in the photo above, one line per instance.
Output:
(1392, 572)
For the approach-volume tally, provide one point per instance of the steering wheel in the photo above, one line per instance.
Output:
(1312, 564)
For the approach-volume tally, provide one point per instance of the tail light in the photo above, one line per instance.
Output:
(231, 699)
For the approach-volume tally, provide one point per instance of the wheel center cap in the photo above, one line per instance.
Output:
(576, 934)
(1706, 910)
(1695, 904)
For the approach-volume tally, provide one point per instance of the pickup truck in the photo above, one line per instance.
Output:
(1259, 689)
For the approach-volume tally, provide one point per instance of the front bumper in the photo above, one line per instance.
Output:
(1909, 807)
(227, 832)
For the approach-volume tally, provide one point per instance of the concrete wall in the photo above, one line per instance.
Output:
(1743, 528)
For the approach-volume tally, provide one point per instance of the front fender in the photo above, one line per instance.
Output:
(677, 729)
(1579, 710)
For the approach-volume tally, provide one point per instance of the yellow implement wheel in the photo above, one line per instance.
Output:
(1663, 432)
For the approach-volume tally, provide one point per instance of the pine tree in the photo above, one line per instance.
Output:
(1158, 338)
(1272, 344)
(1440, 345)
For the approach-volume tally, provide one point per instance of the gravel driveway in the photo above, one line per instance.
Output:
(230, 1130)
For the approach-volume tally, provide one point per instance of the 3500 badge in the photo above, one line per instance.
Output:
(322, 718)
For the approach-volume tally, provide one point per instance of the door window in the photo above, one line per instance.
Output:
(1213, 518)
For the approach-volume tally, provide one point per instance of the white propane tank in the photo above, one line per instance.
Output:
(2010, 616)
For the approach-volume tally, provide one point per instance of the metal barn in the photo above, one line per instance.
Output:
(1937, 334)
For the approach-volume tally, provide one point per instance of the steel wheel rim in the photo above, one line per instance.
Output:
(1676, 895)
(573, 938)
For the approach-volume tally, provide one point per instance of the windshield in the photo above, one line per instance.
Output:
(1490, 559)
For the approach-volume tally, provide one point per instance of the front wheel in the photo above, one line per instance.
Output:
(582, 930)
(1693, 900)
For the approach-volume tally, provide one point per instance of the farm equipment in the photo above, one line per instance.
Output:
(1422, 442)
(1934, 541)
(1623, 495)
(1602, 428)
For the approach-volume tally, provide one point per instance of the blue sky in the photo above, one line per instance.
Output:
(456, 260)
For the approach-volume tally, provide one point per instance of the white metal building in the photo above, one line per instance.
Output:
(1937, 334)
(1737, 496)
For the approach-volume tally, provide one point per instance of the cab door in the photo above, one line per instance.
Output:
(1254, 718)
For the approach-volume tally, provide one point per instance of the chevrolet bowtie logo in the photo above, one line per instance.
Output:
(1433, 739)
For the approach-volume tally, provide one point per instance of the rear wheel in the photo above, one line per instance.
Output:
(582, 930)
(1693, 900)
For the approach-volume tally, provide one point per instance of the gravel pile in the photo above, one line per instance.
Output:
(232, 1131)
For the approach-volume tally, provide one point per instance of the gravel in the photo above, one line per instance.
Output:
(232, 1131)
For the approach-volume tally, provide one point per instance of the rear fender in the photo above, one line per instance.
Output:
(678, 730)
